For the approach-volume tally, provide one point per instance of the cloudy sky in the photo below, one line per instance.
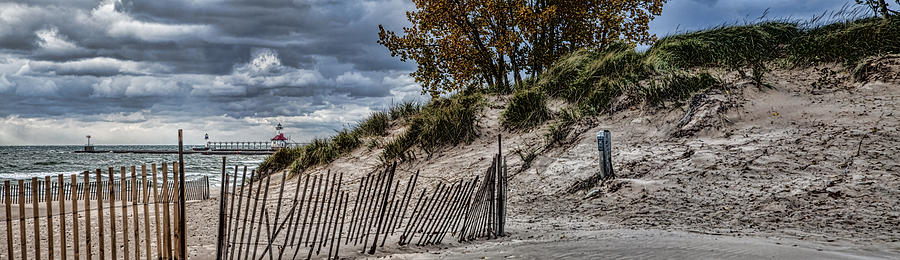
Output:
(132, 72)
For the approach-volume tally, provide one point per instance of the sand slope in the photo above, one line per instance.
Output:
(799, 169)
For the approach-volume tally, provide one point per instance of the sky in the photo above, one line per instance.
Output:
(133, 72)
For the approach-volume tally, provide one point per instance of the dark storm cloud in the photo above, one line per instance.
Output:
(240, 58)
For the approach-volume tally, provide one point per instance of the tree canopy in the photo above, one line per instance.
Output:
(460, 43)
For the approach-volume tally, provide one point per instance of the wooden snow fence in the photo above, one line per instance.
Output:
(88, 215)
(327, 214)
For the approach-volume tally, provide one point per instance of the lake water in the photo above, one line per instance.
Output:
(25, 162)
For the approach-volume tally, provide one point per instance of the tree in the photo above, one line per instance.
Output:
(879, 7)
(461, 43)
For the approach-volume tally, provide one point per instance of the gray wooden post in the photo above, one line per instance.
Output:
(604, 146)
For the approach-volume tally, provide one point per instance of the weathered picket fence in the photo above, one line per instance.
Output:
(197, 189)
(82, 235)
(325, 213)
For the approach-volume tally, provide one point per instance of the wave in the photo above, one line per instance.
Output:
(48, 163)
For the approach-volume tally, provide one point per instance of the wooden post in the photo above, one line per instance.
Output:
(134, 215)
(503, 180)
(167, 229)
(145, 195)
(48, 198)
(262, 212)
(9, 236)
(123, 192)
(337, 248)
(355, 208)
(175, 214)
(392, 213)
(334, 209)
(363, 208)
(290, 219)
(321, 210)
(461, 210)
(316, 211)
(182, 239)
(221, 236)
(384, 205)
(22, 240)
(87, 216)
(436, 213)
(327, 212)
(246, 209)
(62, 214)
(75, 231)
(425, 213)
(238, 218)
(470, 211)
(374, 208)
(446, 212)
(100, 214)
(156, 198)
(231, 212)
(35, 214)
(253, 216)
(308, 203)
(277, 216)
(412, 217)
(410, 186)
(334, 232)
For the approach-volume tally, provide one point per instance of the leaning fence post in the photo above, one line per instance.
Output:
(246, 210)
(412, 217)
(237, 219)
(220, 237)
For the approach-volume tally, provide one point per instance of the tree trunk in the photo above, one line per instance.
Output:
(514, 59)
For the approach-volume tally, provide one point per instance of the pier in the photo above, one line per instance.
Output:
(239, 146)
(204, 152)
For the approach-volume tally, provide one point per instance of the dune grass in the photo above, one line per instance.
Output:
(444, 121)
(726, 46)
(526, 109)
(848, 42)
(325, 150)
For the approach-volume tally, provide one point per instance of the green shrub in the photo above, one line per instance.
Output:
(526, 109)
